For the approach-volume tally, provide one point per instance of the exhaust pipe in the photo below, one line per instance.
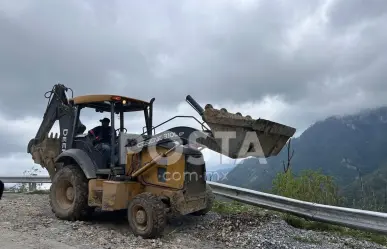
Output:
(195, 105)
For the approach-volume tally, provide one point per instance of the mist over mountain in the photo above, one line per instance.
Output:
(351, 148)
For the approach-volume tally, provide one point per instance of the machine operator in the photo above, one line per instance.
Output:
(103, 134)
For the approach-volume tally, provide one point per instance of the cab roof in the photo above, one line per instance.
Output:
(85, 99)
(101, 102)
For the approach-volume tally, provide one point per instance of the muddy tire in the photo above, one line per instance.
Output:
(146, 215)
(210, 201)
(69, 194)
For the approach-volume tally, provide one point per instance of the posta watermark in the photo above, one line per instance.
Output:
(228, 143)
(194, 176)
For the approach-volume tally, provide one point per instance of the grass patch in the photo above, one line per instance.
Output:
(373, 237)
(233, 207)
(341, 231)
(310, 225)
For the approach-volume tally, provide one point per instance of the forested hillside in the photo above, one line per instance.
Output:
(350, 148)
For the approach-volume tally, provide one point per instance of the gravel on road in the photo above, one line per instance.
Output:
(27, 218)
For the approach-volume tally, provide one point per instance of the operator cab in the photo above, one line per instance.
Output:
(115, 105)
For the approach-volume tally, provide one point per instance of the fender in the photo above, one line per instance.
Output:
(81, 158)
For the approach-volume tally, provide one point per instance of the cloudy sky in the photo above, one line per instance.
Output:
(293, 62)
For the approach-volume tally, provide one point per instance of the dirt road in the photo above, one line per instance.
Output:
(15, 240)
(26, 221)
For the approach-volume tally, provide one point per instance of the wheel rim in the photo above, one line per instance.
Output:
(65, 194)
(140, 218)
(70, 193)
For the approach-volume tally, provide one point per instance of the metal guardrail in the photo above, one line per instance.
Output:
(349, 217)
(31, 180)
(25, 179)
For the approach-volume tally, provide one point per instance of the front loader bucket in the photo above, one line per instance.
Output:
(238, 137)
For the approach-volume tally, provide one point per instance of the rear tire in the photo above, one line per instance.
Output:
(146, 215)
(210, 197)
(69, 194)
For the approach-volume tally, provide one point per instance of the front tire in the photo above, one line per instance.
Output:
(146, 215)
(69, 194)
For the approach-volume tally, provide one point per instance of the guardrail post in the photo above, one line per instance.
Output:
(32, 185)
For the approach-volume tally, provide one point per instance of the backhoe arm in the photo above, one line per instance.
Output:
(44, 148)
(58, 101)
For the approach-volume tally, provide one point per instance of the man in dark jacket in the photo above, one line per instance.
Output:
(1, 189)
(102, 136)
(102, 132)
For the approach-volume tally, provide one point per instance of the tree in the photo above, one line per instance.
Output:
(290, 156)
(311, 186)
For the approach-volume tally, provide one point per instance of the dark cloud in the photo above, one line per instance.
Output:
(320, 57)
(348, 13)
(167, 50)
(11, 144)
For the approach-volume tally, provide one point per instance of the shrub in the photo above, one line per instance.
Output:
(311, 186)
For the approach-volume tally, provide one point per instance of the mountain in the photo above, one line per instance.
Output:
(220, 172)
(250, 173)
(369, 191)
(345, 147)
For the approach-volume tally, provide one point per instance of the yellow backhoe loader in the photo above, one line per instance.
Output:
(148, 174)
